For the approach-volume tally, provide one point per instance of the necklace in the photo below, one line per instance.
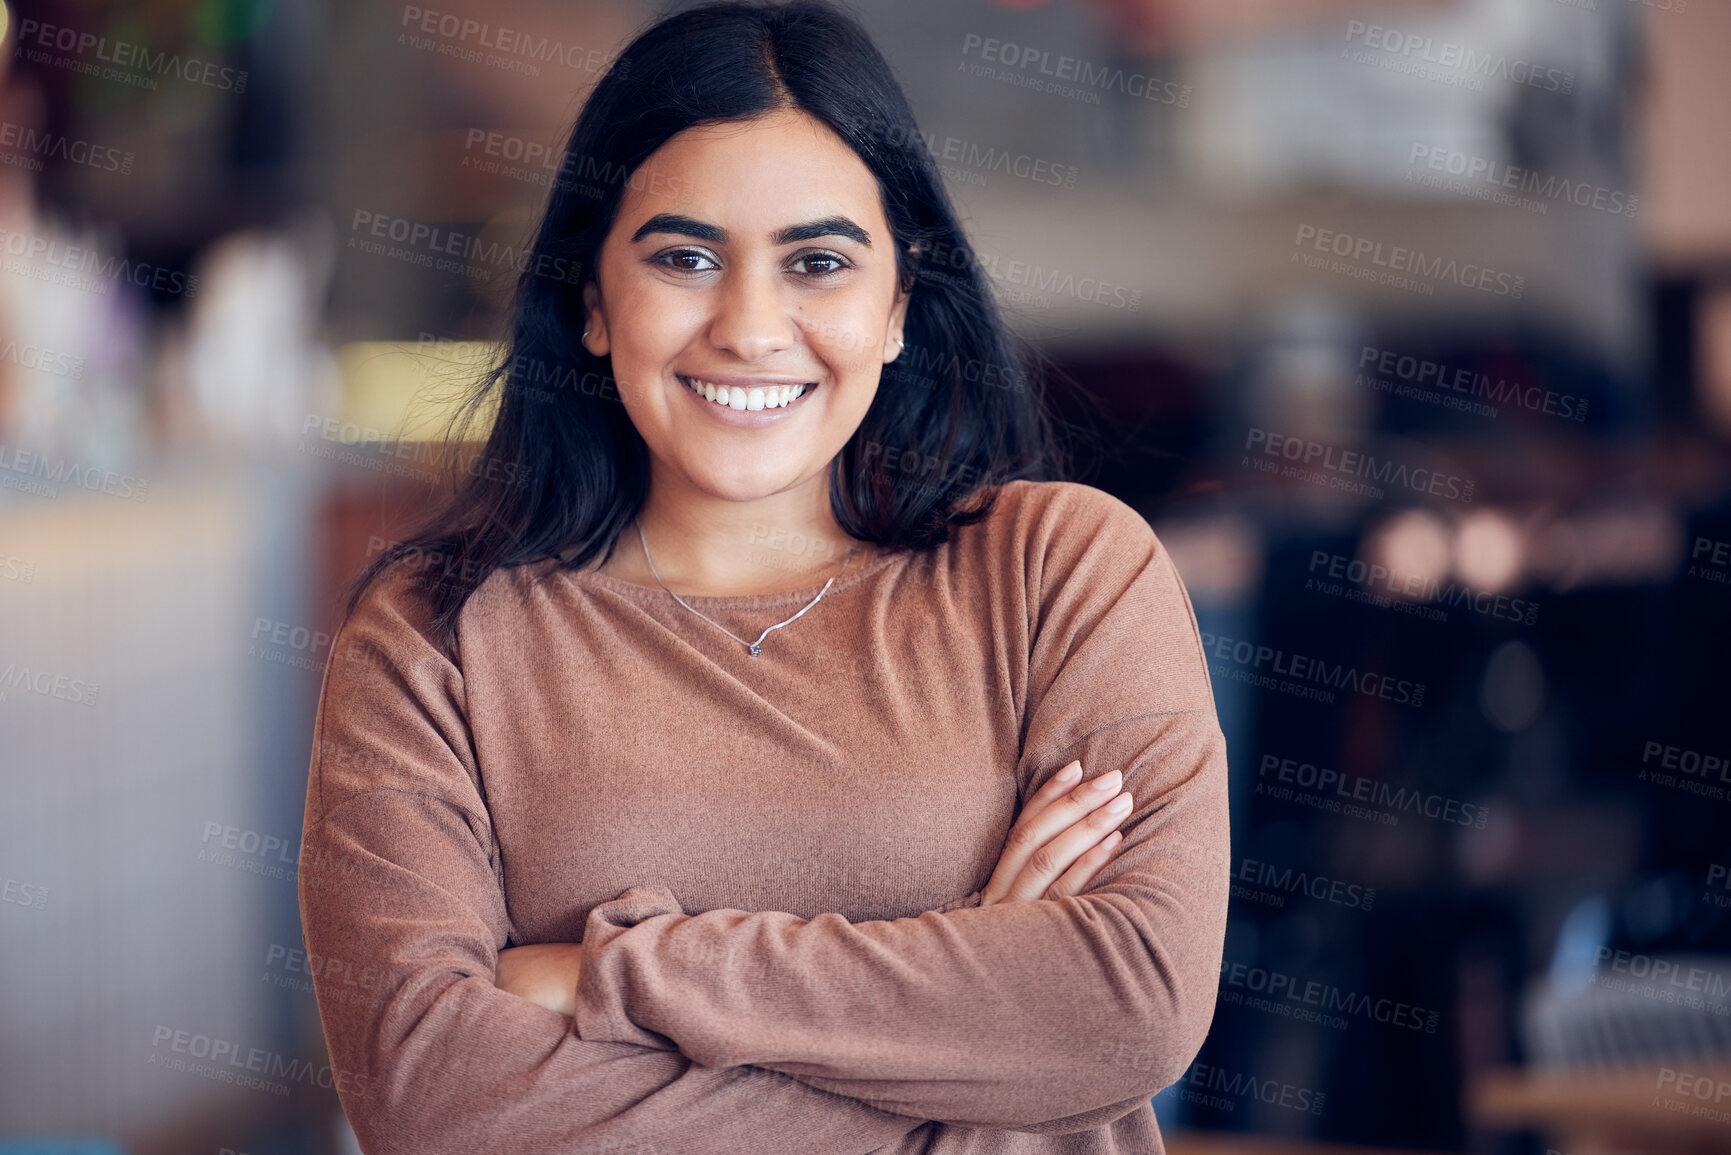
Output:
(756, 646)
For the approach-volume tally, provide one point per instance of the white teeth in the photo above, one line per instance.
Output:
(770, 397)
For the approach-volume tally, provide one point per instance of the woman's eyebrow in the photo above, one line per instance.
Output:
(685, 226)
(825, 227)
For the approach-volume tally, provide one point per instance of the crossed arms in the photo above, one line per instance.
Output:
(731, 1030)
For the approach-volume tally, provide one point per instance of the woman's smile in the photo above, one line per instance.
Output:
(747, 401)
(774, 277)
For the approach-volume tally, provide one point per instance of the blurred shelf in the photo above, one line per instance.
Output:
(1624, 1111)
(1202, 267)
(1212, 1143)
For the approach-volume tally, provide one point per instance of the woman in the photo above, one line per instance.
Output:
(709, 776)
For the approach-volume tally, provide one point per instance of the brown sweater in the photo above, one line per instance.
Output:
(773, 863)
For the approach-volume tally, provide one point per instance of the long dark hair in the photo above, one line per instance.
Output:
(563, 471)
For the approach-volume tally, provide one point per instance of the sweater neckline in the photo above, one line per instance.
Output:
(853, 576)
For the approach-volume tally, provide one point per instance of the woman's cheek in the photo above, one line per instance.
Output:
(848, 344)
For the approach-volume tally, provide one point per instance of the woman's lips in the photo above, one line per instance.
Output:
(747, 398)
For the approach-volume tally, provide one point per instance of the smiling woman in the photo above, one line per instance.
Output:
(747, 334)
(638, 878)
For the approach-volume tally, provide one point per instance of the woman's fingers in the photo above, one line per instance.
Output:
(1066, 778)
(1052, 811)
(1050, 862)
(1081, 876)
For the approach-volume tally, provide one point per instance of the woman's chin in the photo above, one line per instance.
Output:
(754, 487)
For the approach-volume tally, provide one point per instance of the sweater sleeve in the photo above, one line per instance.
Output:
(1052, 1015)
(403, 912)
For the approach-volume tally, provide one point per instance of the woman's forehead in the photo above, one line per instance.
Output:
(754, 177)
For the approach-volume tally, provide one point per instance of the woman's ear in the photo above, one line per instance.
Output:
(893, 338)
(594, 320)
(893, 341)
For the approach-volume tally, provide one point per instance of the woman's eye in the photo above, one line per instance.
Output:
(829, 264)
(675, 260)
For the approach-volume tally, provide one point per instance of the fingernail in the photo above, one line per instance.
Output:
(1107, 781)
(1070, 773)
(1119, 805)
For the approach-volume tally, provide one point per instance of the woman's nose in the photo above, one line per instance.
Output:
(753, 317)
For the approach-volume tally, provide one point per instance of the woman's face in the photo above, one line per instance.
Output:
(753, 255)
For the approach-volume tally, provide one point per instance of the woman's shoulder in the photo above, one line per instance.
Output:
(405, 594)
(388, 626)
(1062, 515)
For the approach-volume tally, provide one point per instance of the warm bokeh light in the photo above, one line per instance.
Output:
(1415, 545)
(1488, 550)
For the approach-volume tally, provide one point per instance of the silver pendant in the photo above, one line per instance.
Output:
(754, 651)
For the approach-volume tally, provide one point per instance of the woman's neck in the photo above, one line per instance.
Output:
(704, 546)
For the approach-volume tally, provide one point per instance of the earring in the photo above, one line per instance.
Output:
(899, 343)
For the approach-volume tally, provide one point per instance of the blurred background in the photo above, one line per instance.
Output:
(1407, 325)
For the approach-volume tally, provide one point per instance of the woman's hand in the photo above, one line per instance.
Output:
(1062, 837)
(544, 973)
